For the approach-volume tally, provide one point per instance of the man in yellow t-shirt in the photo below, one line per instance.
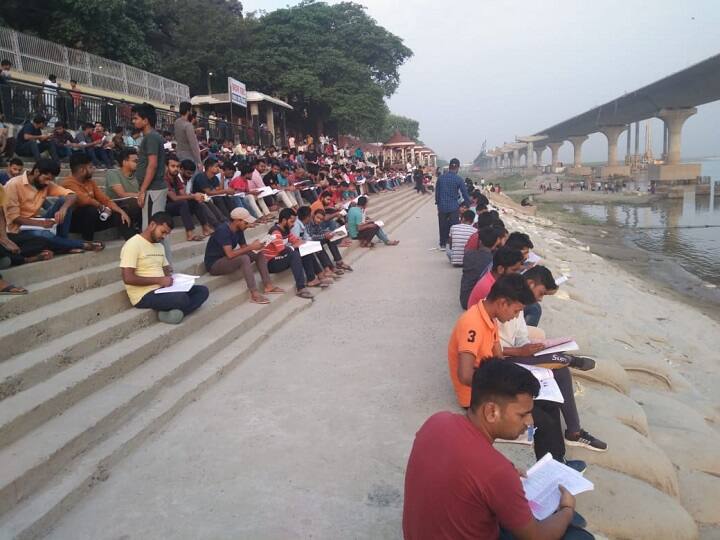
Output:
(475, 336)
(145, 268)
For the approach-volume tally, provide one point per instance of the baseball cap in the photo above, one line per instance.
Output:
(242, 213)
(454, 162)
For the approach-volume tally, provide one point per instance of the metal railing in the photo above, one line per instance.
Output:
(20, 102)
(30, 54)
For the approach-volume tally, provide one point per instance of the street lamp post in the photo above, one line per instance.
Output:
(210, 74)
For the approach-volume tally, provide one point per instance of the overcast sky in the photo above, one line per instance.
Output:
(495, 69)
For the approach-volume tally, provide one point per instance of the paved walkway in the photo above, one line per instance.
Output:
(309, 437)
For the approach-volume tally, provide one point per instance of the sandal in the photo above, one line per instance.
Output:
(304, 293)
(196, 238)
(275, 290)
(392, 243)
(345, 267)
(12, 290)
(94, 246)
(259, 299)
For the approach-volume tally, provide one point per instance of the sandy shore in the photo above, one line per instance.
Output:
(653, 396)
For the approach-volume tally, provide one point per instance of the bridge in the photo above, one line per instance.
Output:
(673, 99)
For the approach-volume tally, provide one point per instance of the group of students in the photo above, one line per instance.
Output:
(457, 484)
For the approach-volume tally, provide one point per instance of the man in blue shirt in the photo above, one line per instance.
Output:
(447, 189)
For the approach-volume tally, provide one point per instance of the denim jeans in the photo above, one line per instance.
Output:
(532, 314)
(187, 302)
(59, 241)
(289, 258)
(382, 236)
(34, 149)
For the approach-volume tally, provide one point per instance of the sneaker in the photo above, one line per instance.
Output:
(583, 363)
(585, 440)
(174, 316)
(576, 464)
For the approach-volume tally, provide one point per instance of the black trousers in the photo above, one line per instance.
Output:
(86, 221)
(187, 302)
(182, 209)
(445, 221)
(548, 430)
(29, 245)
(224, 204)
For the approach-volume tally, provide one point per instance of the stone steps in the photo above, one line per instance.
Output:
(67, 424)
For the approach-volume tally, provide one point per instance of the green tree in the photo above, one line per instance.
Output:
(407, 126)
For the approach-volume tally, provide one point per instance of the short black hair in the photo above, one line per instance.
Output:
(188, 165)
(258, 161)
(162, 218)
(59, 124)
(501, 381)
(303, 212)
(468, 215)
(87, 125)
(247, 169)
(362, 201)
(325, 193)
(209, 162)
(229, 166)
(16, 161)
(146, 111)
(46, 166)
(5, 62)
(125, 153)
(185, 107)
(506, 257)
(171, 157)
(78, 159)
(39, 119)
(542, 275)
(488, 237)
(512, 287)
(518, 240)
(485, 220)
(73, 81)
(286, 213)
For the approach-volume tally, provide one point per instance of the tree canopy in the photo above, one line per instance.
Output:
(333, 63)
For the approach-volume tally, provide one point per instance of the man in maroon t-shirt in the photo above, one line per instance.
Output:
(457, 486)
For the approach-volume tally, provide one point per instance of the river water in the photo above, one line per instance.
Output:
(687, 230)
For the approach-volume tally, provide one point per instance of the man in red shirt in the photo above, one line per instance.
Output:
(457, 486)
(505, 261)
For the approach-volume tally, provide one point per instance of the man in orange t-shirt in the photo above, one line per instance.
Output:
(475, 336)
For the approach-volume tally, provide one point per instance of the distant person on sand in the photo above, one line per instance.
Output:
(457, 485)
(447, 189)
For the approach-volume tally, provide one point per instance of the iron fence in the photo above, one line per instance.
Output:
(30, 54)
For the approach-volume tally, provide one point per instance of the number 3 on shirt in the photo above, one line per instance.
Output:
(471, 336)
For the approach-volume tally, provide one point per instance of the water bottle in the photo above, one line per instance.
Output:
(531, 434)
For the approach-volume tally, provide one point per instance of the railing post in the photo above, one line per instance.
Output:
(16, 50)
(89, 68)
(125, 79)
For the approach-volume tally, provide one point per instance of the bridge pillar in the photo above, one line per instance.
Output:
(538, 155)
(612, 133)
(515, 158)
(529, 155)
(674, 120)
(577, 143)
(554, 149)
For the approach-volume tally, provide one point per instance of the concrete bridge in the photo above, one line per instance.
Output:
(673, 99)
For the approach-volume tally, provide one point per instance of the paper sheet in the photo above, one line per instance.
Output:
(549, 389)
(309, 247)
(541, 485)
(380, 223)
(181, 283)
(52, 229)
(267, 191)
(533, 258)
(564, 347)
(340, 232)
(562, 279)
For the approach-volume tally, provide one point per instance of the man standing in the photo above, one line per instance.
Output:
(150, 172)
(186, 143)
(447, 189)
(145, 268)
(227, 251)
(457, 485)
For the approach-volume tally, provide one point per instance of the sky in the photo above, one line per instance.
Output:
(491, 70)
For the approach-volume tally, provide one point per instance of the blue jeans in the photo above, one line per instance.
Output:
(532, 314)
(187, 302)
(99, 156)
(59, 241)
(34, 149)
(382, 236)
(289, 258)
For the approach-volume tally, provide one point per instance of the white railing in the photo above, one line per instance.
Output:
(30, 54)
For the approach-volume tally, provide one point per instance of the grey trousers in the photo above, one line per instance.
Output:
(226, 266)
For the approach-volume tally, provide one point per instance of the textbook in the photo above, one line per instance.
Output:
(311, 246)
(549, 389)
(337, 234)
(533, 258)
(52, 229)
(181, 283)
(267, 191)
(558, 345)
(542, 481)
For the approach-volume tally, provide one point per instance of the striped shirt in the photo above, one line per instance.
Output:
(459, 235)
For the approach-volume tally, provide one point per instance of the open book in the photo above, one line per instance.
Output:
(549, 389)
(533, 258)
(380, 223)
(337, 234)
(311, 246)
(557, 345)
(541, 485)
(267, 191)
(52, 229)
(181, 283)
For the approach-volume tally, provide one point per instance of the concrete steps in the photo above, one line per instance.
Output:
(76, 403)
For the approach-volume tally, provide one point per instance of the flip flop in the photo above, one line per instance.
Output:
(12, 290)
(261, 300)
(305, 294)
(345, 267)
(95, 246)
(275, 290)
(196, 238)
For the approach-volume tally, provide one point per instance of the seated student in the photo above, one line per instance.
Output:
(241, 197)
(271, 179)
(240, 184)
(85, 143)
(505, 261)
(325, 203)
(256, 184)
(516, 344)
(458, 486)
(319, 275)
(361, 227)
(94, 210)
(227, 251)
(477, 262)
(281, 257)
(14, 168)
(284, 181)
(22, 247)
(31, 142)
(521, 242)
(475, 338)
(318, 230)
(212, 213)
(145, 268)
(459, 234)
(121, 185)
(207, 182)
(486, 219)
(25, 197)
(184, 204)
